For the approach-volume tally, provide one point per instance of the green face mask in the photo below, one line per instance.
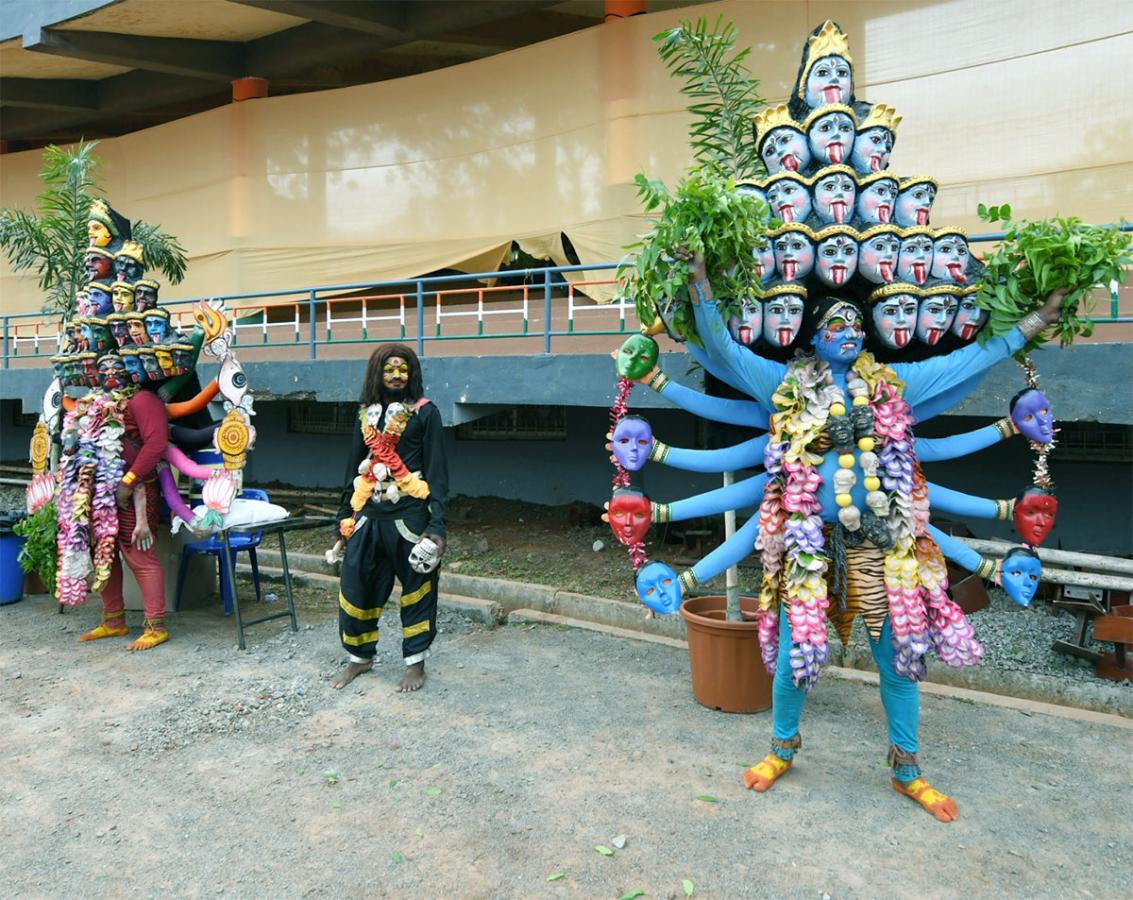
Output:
(637, 356)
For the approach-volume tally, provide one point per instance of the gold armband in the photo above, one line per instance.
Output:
(659, 452)
(987, 567)
(1004, 508)
(129, 478)
(1006, 428)
(687, 580)
(658, 381)
(662, 512)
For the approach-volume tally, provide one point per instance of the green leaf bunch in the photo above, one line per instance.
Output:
(724, 94)
(1036, 258)
(705, 216)
(52, 241)
(38, 553)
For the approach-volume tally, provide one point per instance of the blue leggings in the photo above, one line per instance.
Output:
(899, 696)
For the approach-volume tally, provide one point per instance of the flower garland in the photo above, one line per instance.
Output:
(792, 541)
(384, 463)
(618, 411)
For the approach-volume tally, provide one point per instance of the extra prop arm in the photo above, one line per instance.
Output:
(172, 496)
(747, 455)
(730, 553)
(941, 403)
(755, 376)
(961, 554)
(936, 449)
(959, 504)
(186, 466)
(718, 409)
(947, 374)
(748, 492)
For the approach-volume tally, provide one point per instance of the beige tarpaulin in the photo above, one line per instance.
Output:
(1018, 101)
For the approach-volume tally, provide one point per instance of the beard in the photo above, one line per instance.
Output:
(392, 395)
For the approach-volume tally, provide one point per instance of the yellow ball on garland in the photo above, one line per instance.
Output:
(843, 500)
(872, 483)
(866, 444)
(846, 460)
(861, 401)
(837, 409)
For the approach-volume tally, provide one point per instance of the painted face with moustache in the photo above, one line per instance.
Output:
(395, 379)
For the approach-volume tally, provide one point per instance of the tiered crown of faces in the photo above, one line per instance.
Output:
(118, 323)
(848, 227)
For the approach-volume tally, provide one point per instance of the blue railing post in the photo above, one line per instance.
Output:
(546, 310)
(420, 317)
(5, 342)
(311, 312)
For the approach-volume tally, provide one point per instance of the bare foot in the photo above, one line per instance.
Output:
(351, 671)
(413, 679)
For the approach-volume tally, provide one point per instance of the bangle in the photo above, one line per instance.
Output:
(657, 381)
(687, 580)
(129, 478)
(1006, 428)
(659, 452)
(1031, 325)
(987, 568)
(661, 512)
(1004, 508)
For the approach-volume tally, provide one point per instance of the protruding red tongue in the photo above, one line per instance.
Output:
(956, 273)
(784, 336)
(967, 330)
(835, 152)
(900, 336)
(933, 336)
(838, 207)
(745, 335)
(787, 212)
(886, 269)
(838, 275)
(790, 162)
(875, 163)
(883, 213)
(922, 216)
(920, 272)
(758, 266)
(832, 93)
(790, 266)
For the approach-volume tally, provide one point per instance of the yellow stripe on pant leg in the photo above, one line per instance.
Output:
(414, 630)
(419, 594)
(361, 639)
(357, 612)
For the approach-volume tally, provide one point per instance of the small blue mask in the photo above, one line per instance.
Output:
(1019, 577)
(658, 588)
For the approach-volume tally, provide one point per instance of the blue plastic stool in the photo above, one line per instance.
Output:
(239, 541)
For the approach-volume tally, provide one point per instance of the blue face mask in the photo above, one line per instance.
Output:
(658, 588)
(1019, 577)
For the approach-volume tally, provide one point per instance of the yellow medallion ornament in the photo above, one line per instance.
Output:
(40, 446)
(232, 440)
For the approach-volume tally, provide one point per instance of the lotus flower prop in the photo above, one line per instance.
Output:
(218, 493)
(40, 492)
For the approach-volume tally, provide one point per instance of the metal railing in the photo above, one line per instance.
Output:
(552, 303)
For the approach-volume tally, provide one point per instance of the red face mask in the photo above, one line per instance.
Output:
(630, 517)
(1034, 517)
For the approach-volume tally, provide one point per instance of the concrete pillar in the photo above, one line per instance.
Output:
(249, 89)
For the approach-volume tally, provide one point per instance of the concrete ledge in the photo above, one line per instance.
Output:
(524, 616)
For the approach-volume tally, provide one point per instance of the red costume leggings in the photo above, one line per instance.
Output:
(143, 563)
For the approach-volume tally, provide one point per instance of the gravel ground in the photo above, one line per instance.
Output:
(196, 770)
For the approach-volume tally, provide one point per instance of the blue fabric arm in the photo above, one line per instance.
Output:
(748, 492)
(936, 449)
(961, 554)
(718, 409)
(747, 455)
(933, 377)
(758, 377)
(932, 408)
(709, 365)
(959, 504)
(729, 553)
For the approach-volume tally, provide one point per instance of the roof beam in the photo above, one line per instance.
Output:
(60, 94)
(382, 18)
(209, 60)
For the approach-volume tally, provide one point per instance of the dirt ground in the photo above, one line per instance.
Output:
(199, 770)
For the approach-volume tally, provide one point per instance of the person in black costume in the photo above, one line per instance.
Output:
(392, 515)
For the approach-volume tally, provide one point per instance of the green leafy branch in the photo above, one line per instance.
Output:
(1036, 258)
(725, 94)
(38, 554)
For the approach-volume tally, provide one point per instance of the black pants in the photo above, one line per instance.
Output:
(376, 553)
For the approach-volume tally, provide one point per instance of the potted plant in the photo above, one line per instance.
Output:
(707, 215)
(38, 555)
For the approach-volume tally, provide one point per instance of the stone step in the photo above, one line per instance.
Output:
(534, 616)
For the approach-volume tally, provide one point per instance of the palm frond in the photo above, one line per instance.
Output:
(161, 251)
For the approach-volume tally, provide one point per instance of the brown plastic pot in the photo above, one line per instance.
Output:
(727, 668)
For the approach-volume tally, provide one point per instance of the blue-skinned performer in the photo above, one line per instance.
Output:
(844, 517)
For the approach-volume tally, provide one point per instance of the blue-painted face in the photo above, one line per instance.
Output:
(839, 341)
(830, 80)
(794, 255)
(969, 318)
(135, 369)
(764, 261)
(156, 328)
(834, 196)
(1019, 576)
(915, 259)
(99, 302)
(658, 588)
(750, 190)
(748, 325)
(893, 319)
(789, 200)
(782, 319)
(831, 137)
(837, 260)
(877, 258)
(935, 318)
(875, 201)
(914, 205)
(950, 258)
(785, 149)
(872, 148)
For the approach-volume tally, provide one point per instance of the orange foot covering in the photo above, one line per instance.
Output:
(106, 630)
(152, 635)
(765, 773)
(939, 805)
